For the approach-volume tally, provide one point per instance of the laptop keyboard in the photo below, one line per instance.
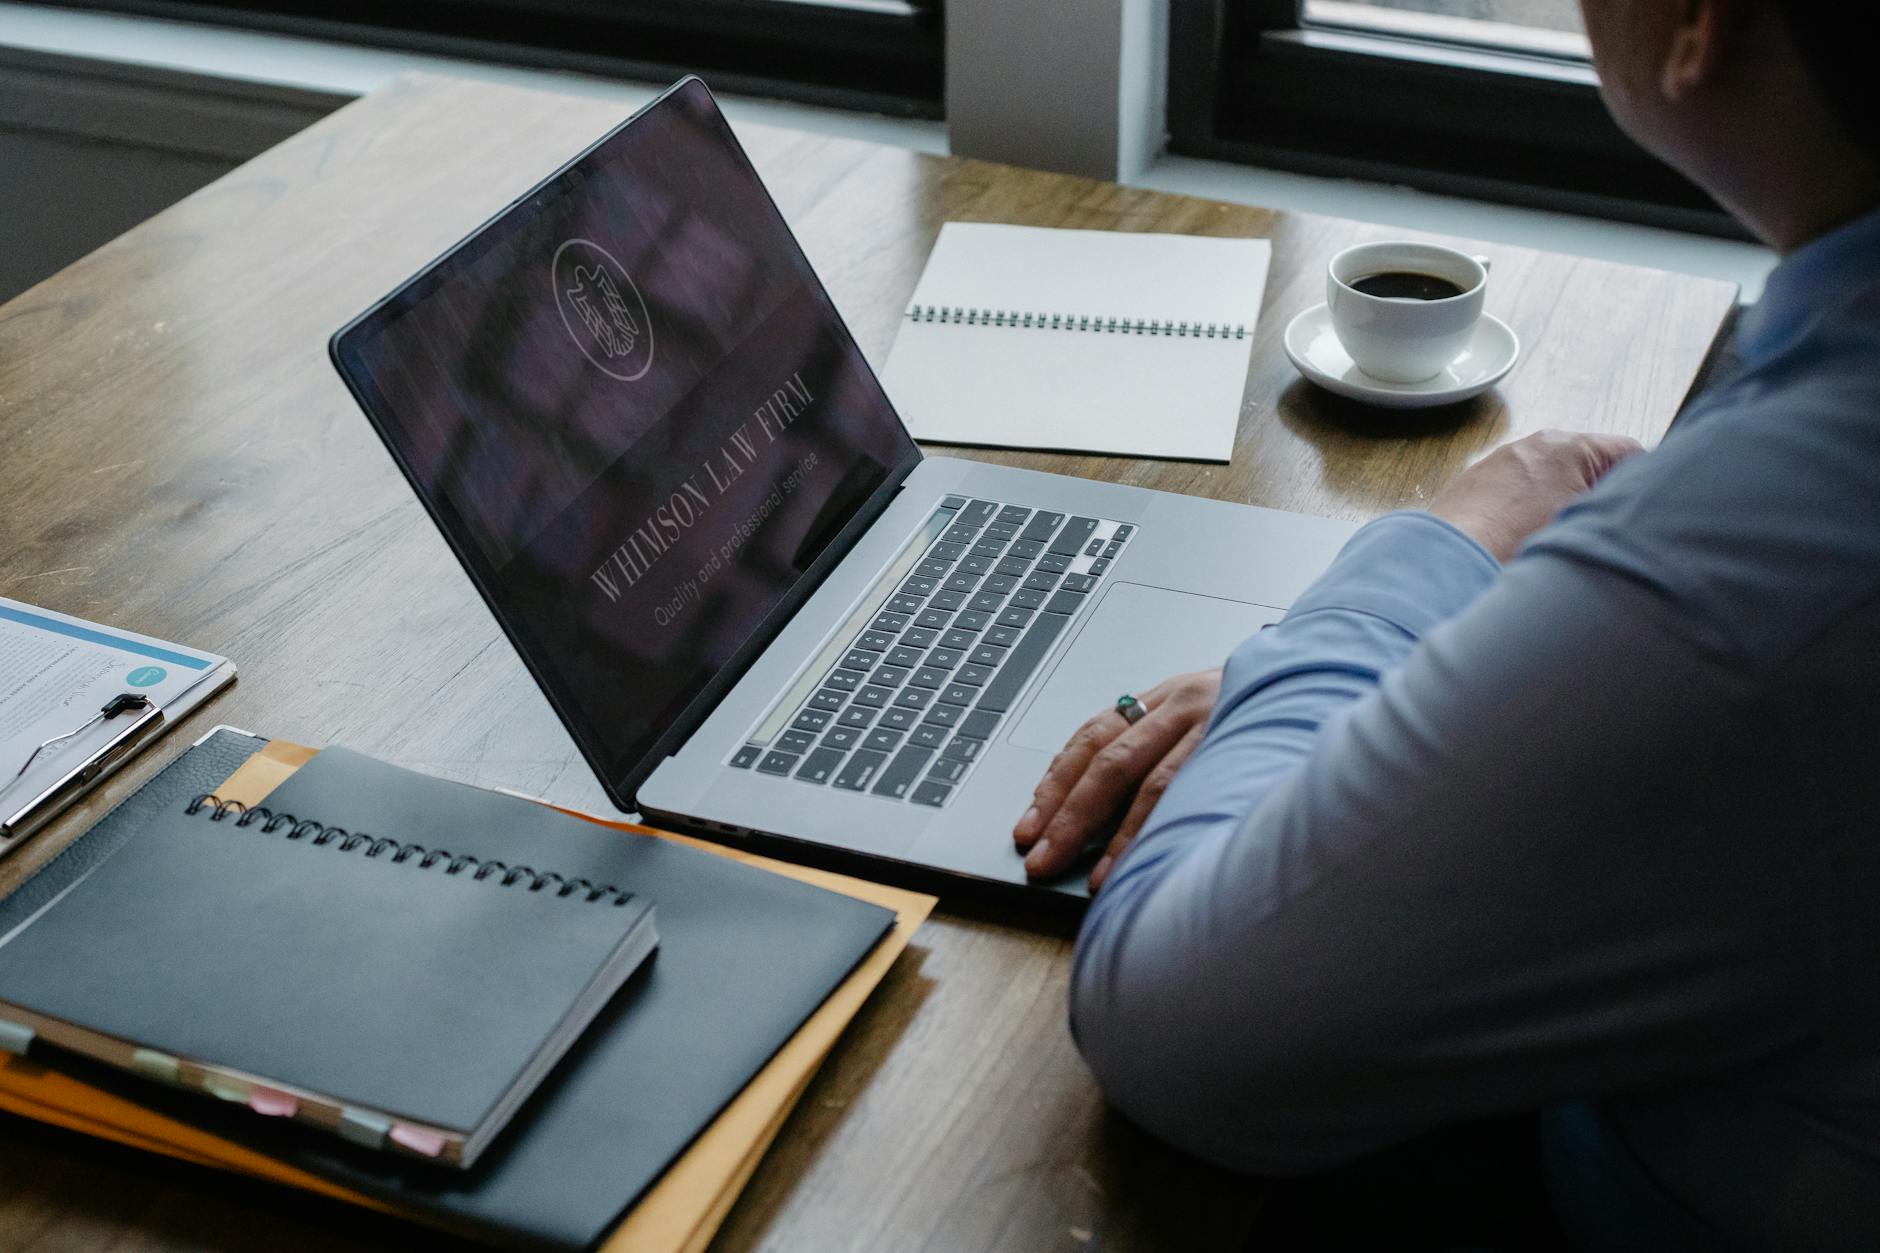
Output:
(904, 700)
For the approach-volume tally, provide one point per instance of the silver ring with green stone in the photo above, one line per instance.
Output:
(1133, 710)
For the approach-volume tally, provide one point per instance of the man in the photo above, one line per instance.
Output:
(1596, 831)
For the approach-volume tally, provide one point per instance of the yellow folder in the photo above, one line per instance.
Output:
(680, 1213)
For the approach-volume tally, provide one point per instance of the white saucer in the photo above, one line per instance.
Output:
(1314, 348)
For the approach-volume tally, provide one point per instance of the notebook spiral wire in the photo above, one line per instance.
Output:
(454, 863)
(969, 316)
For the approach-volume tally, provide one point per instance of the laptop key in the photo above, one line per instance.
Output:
(979, 512)
(1001, 533)
(903, 603)
(962, 583)
(945, 658)
(777, 763)
(944, 715)
(972, 675)
(960, 533)
(812, 720)
(898, 719)
(964, 747)
(1014, 566)
(1015, 617)
(915, 698)
(843, 680)
(1000, 584)
(979, 724)
(927, 736)
(888, 622)
(1065, 602)
(986, 602)
(1043, 581)
(883, 740)
(1112, 548)
(888, 676)
(990, 548)
(973, 563)
(1014, 515)
(858, 659)
(1026, 548)
(819, 765)
(988, 655)
(929, 676)
(1124, 531)
(876, 641)
(953, 502)
(934, 569)
(972, 620)
(1078, 583)
(1099, 565)
(944, 551)
(947, 769)
(920, 637)
(855, 716)
(1003, 636)
(841, 738)
(798, 742)
(860, 771)
(1051, 564)
(933, 619)
(919, 585)
(874, 696)
(1041, 527)
(828, 698)
(946, 600)
(958, 694)
(957, 638)
(1073, 536)
(1027, 598)
(931, 793)
(902, 771)
(1002, 692)
(903, 657)
(746, 756)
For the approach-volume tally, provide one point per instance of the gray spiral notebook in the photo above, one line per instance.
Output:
(399, 997)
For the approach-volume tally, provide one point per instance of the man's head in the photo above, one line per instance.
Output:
(1766, 103)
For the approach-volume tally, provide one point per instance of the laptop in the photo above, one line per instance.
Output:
(763, 615)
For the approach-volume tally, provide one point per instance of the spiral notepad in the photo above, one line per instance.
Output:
(397, 994)
(1089, 341)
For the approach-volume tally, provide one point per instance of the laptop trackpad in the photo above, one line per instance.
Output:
(1138, 636)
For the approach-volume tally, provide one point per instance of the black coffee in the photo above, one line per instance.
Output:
(1406, 285)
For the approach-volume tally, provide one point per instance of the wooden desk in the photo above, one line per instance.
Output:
(177, 457)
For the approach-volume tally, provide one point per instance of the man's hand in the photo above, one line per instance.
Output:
(1517, 489)
(1112, 767)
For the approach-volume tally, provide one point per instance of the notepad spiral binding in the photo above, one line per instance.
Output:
(969, 316)
(218, 809)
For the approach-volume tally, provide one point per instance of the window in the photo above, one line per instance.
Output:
(1488, 98)
(882, 55)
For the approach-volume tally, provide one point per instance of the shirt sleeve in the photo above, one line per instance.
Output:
(1456, 844)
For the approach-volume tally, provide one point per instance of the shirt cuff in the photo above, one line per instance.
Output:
(1411, 568)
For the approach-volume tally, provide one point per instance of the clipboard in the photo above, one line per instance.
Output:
(680, 1213)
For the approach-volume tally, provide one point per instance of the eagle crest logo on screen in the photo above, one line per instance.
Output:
(603, 310)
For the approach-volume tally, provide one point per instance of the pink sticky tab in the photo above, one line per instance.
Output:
(271, 1104)
(417, 1139)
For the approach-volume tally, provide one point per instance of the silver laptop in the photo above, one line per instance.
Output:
(635, 414)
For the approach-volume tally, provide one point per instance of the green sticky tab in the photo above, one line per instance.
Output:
(15, 1038)
(226, 1089)
(362, 1127)
(154, 1065)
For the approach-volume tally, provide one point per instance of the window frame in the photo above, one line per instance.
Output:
(883, 56)
(1250, 81)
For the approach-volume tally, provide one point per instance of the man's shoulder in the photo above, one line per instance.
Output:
(1757, 520)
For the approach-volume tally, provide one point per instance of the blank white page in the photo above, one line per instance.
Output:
(1166, 382)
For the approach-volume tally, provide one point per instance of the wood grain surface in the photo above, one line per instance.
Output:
(178, 457)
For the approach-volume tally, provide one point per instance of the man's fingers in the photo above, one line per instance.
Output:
(1147, 796)
(1062, 775)
(1109, 778)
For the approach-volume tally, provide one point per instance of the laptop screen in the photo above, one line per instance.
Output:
(633, 410)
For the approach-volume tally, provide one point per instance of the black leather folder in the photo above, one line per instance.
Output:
(745, 957)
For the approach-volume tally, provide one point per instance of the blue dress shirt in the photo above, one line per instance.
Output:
(1601, 827)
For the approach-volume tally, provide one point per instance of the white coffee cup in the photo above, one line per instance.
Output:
(1404, 339)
